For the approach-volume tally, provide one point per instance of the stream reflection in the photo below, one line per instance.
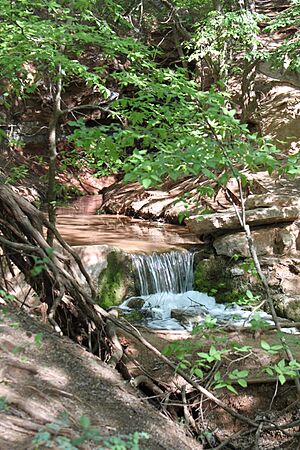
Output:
(79, 225)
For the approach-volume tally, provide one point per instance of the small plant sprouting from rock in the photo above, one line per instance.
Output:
(57, 435)
(3, 404)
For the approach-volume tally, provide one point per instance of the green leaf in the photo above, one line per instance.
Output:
(281, 379)
(243, 383)
(198, 372)
(146, 182)
(85, 422)
(38, 338)
(217, 376)
(231, 388)
(265, 346)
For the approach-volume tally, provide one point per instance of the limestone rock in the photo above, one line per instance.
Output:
(236, 243)
(116, 281)
(94, 259)
(268, 241)
(228, 220)
(279, 115)
(283, 273)
(288, 306)
(269, 200)
(274, 106)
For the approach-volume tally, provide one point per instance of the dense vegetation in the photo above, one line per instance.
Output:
(158, 76)
(170, 66)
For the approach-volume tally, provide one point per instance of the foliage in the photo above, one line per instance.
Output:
(223, 38)
(16, 173)
(6, 296)
(211, 365)
(36, 37)
(3, 404)
(173, 129)
(45, 44)
(162, 125)
(52, 436)
(284, 369)
(286, 55)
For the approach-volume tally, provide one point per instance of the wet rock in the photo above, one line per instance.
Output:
(188, 316)
(94, 259)
(116, 281)
(135, 303)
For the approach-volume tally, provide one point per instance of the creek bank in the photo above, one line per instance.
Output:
(55, 376)
(251, 401)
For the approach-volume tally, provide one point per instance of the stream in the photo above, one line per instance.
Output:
(79, 224)
(167, 300)
(163, 266)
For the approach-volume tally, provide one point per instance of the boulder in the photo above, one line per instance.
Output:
(116, 281)
(135, 303)
(236, 243)
(94, 259)
(283, 273)
(288, 306)
(110, 270)
(188, 316)
(219, 222)
(268, 241)
(274, 96)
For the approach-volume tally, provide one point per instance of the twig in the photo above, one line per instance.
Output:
(257, 436)
(187, 415)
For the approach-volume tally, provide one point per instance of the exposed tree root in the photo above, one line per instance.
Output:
(48, 271)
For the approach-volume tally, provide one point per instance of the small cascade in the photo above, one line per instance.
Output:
(164, 272)
(166, 296)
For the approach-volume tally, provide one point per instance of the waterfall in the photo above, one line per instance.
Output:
(164, 272)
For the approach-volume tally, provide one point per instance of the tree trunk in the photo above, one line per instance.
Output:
(51, 194)
(217, 5)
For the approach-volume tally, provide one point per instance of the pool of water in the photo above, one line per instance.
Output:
(79, 224)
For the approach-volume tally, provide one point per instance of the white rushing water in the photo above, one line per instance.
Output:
(164, 272)
(193, 306)
(167, 299)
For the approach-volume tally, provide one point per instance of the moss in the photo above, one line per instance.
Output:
(214, 277)
(211, 276)
(115, 282)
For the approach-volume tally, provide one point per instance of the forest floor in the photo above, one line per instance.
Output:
(263, 399)
(53, 391)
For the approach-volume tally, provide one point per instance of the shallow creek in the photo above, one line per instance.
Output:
(80, 225)
(164, 280)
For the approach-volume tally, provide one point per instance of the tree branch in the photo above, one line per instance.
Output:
(92, 106)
